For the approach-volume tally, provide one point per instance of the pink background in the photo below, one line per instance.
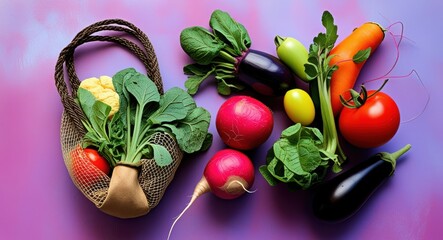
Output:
(39, 201)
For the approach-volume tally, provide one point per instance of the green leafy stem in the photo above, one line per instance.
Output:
(319, 72)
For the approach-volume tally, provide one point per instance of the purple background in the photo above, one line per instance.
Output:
(39, 201)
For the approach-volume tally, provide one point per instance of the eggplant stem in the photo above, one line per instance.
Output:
(392, 157)
(397, 154)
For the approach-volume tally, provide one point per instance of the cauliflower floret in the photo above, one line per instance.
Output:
(103, 90)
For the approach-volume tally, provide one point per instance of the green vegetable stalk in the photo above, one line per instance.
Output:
(319, 73)
(319, 70)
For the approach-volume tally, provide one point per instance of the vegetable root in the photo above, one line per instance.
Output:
(228, 175)
(241, 184)
(201, 188)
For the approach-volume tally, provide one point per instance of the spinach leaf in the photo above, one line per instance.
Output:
(118, 81)
(86, 100)
(191, 132)
(244, 38)
(99, 117)
(104, 134)
(200, 44)
(267, 175)
(289, 156)
(161, 155)
(197, 74)
(142, 89)
(197, 69)
(174, 105)
(309, 155)
(215, 53)
(95, 111)
(227, 29)
(296, 158)
(207, 142)
(224, 87)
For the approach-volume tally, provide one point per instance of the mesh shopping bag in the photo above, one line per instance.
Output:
(131, 191)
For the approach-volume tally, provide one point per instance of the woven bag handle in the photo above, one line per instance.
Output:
(68, 89)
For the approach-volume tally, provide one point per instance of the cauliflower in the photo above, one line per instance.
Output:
(103, 90)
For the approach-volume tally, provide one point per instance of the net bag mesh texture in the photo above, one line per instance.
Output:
(90, 180)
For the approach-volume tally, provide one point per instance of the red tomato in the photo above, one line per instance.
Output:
(91, 169)
(98, 161)
(372, 124)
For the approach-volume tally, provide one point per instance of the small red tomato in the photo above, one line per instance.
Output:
(372, 124)
(88, 168)
(98, 161)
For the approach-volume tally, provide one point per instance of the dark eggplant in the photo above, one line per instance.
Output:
(343, 195)
(264, 73)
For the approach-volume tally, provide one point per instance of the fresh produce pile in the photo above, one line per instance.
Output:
(124, 113)
(307, 151)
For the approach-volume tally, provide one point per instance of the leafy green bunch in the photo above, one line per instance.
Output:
(215, 52)
(297, 158)
(125, 137)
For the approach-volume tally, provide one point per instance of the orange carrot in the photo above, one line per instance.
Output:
(369, 34)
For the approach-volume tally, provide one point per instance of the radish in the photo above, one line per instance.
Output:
(244, 122)
(228, 175)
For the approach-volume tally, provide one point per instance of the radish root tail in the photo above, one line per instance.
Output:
(243, 186)
(201, 188)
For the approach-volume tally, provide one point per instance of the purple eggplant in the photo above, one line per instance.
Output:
(342, 196)
(264, 73)
(225, 52)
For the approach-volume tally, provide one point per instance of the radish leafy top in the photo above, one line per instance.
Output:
(215, 52)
